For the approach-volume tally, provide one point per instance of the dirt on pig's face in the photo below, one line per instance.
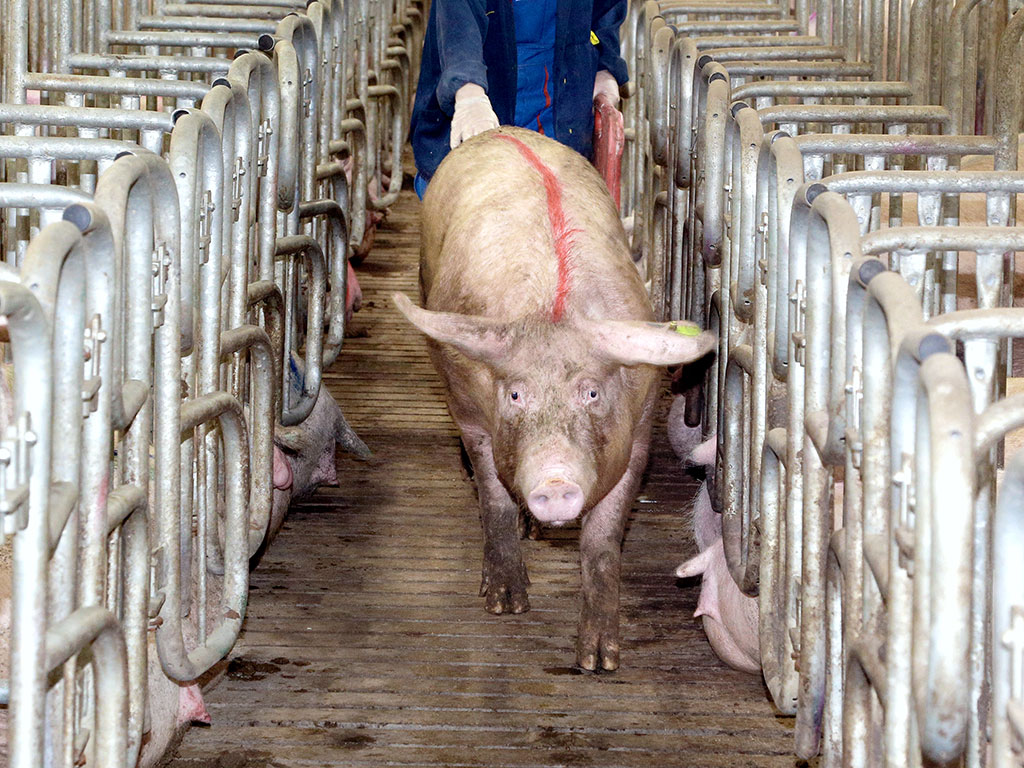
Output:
(563, 420)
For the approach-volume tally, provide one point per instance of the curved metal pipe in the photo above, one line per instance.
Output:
(261, 417)
(313, 260)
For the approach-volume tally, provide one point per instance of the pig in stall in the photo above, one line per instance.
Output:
(353, 295)
(304, 454)
(540, 326)
(684, 417)
(304, 458)
(730, 618)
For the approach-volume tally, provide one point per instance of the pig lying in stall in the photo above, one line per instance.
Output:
(303, 460)
(353, 295)
(540, 326)
(304, 454)
(730, 617)
(686, 407)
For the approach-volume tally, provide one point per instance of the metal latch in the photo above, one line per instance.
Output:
(15, 468)
(762, 262)
(904, 482)
(307, 92)
(161, 273)
(262, 147)
(237, 178)
(94, 338)
(798, 300)
(205, 222)
(727, 204)
(854, 403)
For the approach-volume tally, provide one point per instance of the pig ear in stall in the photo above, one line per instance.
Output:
(481, 338)
(630, 342)
(696, 565)
(347, 438)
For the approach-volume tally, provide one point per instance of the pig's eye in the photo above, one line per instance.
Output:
(514, 395)
(592, 394)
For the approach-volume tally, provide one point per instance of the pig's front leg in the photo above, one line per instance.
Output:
(597, 644)
(504, 581)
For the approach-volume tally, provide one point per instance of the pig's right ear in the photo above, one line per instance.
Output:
(481, 338)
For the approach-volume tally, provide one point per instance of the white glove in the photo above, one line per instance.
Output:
(473, 114)
(606, 84)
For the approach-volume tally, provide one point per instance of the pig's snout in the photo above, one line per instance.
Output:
(555, 500)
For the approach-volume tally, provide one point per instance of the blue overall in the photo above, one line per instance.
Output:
(560, 44)
(535, 60)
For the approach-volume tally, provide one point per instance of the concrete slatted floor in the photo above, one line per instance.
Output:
(366, 644)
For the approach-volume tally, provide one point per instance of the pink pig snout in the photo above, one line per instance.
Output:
(555, 500)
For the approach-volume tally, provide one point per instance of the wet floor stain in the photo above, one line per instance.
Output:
(247, 669)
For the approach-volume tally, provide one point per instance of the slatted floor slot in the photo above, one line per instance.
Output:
(366, 644)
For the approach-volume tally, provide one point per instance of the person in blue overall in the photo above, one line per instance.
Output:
(533, 63)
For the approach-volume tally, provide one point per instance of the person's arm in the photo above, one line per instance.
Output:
(461, 30)
(607, 18)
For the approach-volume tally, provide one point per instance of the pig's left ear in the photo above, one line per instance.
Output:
(481, 338)
(634, 343)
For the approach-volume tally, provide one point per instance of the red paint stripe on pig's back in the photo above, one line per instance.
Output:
(560, 231)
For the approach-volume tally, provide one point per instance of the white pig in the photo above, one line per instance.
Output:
(730, 617)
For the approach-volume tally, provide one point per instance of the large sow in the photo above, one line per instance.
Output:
(543, 332)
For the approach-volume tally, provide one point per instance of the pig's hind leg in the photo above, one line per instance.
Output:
(504, 581)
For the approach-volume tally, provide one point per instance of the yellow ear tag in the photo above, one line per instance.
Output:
(687, 330)
(593, 38)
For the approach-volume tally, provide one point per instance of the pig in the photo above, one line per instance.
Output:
(683, 423)
(373, 216)
(192, 706)
(539, 325)
(730, 617)
(283, 475)
(681, 436)
(304, 454)
(353, 295)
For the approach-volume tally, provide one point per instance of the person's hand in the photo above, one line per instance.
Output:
(605, 84)
(473, 114)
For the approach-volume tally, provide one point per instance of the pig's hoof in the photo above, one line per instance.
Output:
(504, 594)
(503, 598)
(597, 654)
